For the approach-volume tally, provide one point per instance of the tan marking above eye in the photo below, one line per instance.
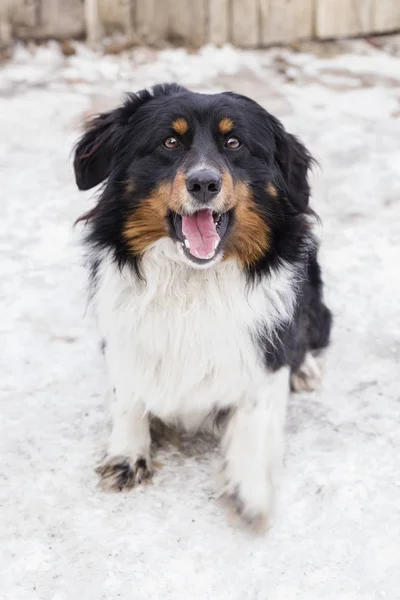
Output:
(225, 125)
(180, 126)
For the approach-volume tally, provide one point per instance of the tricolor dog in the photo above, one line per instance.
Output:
(204, 280)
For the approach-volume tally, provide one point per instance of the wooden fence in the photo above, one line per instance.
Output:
(246, 23)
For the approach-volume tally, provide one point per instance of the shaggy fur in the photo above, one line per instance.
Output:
(205, 280)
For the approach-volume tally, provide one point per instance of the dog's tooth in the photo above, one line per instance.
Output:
(187, 244)
(215, 245)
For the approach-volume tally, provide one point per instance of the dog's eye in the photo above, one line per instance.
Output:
(171, 143)
(232, 143)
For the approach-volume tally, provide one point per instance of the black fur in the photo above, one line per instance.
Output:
(309, 330)
(125, 145)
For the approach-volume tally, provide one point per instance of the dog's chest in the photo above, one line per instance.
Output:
(199, 327)
(189, 335)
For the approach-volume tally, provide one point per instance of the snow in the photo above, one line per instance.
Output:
(336, 531)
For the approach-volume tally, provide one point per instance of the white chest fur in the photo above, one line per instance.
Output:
(183, 341)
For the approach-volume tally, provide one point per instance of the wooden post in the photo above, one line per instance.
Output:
(187, 22)
(178, 21)
(117, 15)
(286, 20)
(151, 21)
(5, 23)
(340, 18)
(245, 23)
(38, 19)
(218, 26)
(24, 16)
(93, 27)
(386, 15)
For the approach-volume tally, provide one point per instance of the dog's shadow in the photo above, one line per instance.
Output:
(166, 438)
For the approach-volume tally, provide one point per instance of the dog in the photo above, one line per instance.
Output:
(204, 280)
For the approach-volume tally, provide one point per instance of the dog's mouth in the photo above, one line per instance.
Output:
(201, 234)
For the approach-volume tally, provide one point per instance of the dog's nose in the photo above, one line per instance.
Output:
(204, 185)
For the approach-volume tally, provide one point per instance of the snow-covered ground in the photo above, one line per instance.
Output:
(336, 534)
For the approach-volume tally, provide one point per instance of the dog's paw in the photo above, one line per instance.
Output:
(120, 473)
(254, 519)
(308, 377)
(249, 504)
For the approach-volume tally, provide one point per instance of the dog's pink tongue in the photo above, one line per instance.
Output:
(200, 231)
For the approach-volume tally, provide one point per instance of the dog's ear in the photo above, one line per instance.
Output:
(294, 162)
(94, 151)
(105, 135)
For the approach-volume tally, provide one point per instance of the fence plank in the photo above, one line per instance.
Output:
(151, 21)
(286, 20)
(64, 17)
(93, 27)
(337, 18)
(5, 23)
(177, 21)
(24, 15)
(187, 22)
(218, 27)
(48, 18)
(245, 23)
(386, 15)
(116, 15)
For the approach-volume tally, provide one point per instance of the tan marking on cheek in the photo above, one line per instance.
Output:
(250, 237)
(271, 190)
(225, 125)
(179, 196)
(180, 126)
(147, 223)
(226, 198)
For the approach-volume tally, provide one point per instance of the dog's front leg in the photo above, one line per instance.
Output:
(127, 462)
(252, 445)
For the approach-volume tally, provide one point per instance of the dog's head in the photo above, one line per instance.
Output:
(215, 173)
